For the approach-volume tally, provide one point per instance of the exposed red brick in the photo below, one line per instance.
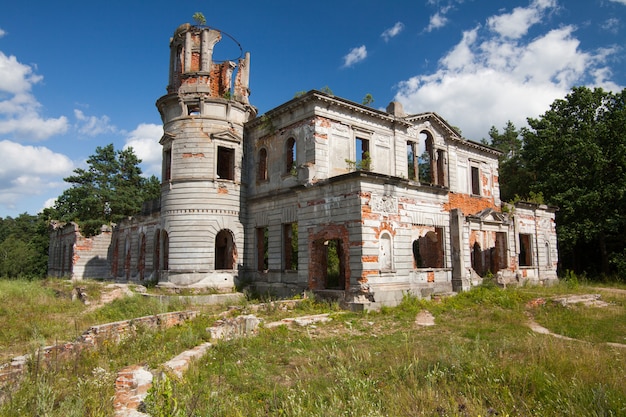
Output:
(365, 273)
(469, 204)
(369, 258)
(384, 226)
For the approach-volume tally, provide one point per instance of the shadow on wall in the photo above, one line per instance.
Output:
(97, 267)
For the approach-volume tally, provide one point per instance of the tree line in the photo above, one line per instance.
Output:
(573, 157)
(110, 189)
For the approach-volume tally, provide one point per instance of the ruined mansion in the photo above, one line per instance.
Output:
(318, 194)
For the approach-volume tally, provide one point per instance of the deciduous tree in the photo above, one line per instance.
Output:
(575, 154)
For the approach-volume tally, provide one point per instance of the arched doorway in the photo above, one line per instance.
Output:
(225, 250)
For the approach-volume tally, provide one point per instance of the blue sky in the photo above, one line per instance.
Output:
(77, 75)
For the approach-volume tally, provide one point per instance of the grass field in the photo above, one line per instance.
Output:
(480, 358)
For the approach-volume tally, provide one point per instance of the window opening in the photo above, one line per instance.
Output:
(262, 248)
(290, 242)
(428, 249)
(363, 159)
(475, 181)
(442, 177)
(262, 173)
(426, 159)
(193, 109)
(225, 163)
(477, 258)
(167, 164)
(525, 250)
(412, 160)
(290, 157)
(166, 251)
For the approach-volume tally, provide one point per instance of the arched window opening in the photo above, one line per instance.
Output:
(426, 158)
(385, 256)
(225, 251)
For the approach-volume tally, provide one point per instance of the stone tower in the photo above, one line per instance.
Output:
(202, 236)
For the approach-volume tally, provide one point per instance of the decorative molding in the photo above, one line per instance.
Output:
(384, 204)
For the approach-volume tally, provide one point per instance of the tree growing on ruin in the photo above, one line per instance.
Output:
(575, 155)
(199, 18)
(109, 190)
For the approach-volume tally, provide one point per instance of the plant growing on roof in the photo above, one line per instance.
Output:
(199, 18)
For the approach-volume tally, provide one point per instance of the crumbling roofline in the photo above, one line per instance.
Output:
(535, 206)
(330, 99)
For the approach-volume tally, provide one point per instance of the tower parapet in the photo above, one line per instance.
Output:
(192, 68)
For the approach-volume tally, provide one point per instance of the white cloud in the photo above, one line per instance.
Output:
(28, 171)
(2, 32)
(92, 125)
(611, 25)
(19, 110)
(145, 142)
(438, 20)
(355, 56)
(492, 75)
(516, 24)
(619, 1)
(392, 31)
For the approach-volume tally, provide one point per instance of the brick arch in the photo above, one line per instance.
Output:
(318, 256)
